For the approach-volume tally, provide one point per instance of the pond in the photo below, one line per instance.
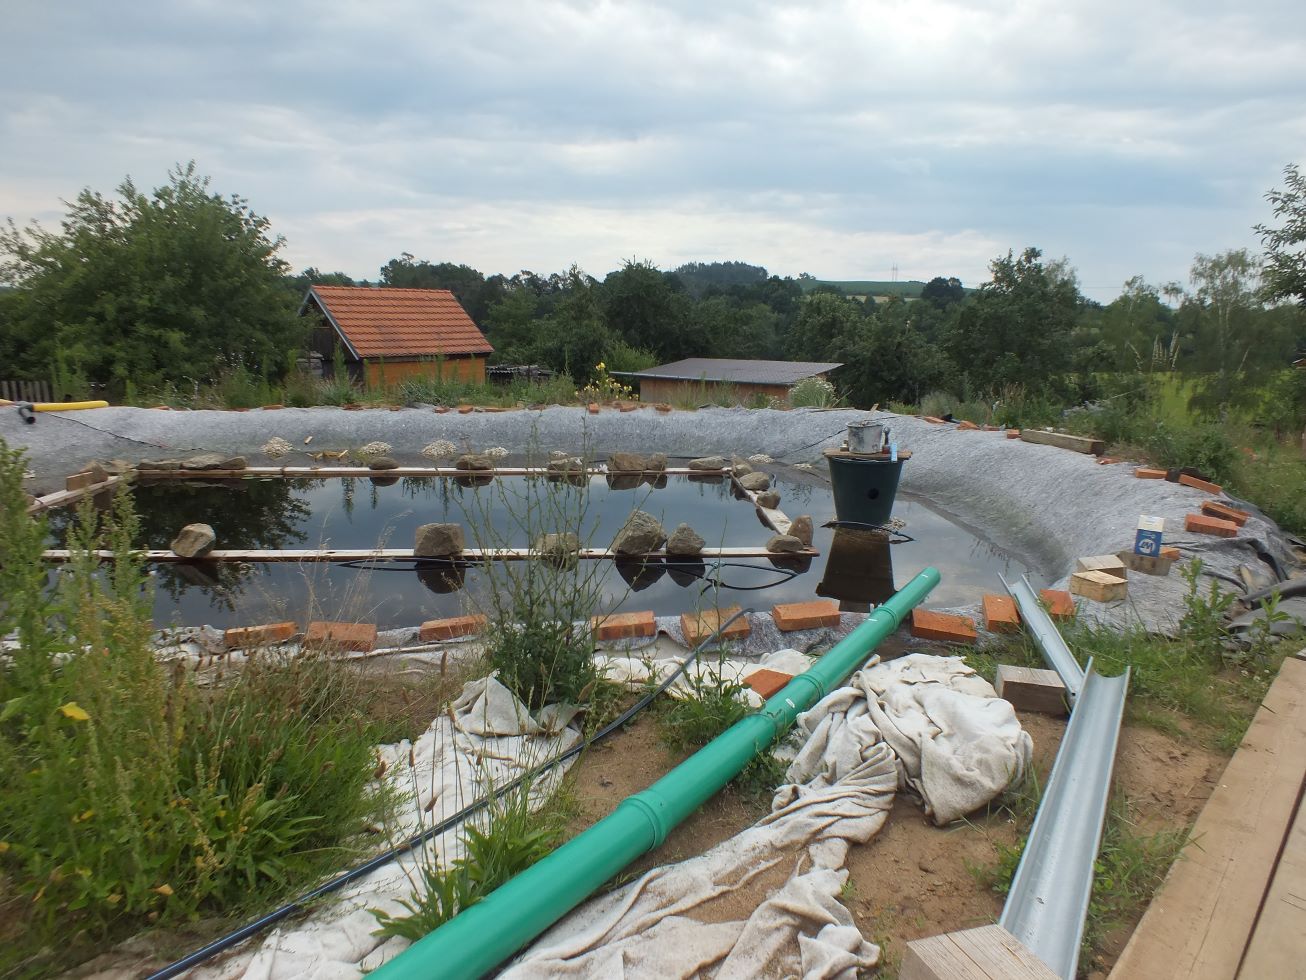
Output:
(855, 567)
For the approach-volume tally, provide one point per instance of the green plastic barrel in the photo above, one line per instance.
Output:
(864, 489)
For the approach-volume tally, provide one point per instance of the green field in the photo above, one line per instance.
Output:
(909, 289)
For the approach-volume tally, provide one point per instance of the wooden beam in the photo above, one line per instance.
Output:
(1200, 921)
(1078, 444)
(775, 519)
(1278, 943)
(62, 498)
(406, 554)
(315, 472)
(986, 953)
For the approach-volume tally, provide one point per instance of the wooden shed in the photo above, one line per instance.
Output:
(389, 335)
(694, 375)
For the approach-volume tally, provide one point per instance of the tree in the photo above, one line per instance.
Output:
(573, 338)
(645, 308)
(152, 287)
(829, 327)
(943, 292)
(1017, 330)
(474, 292)
(1285, 247)
(1136, 326)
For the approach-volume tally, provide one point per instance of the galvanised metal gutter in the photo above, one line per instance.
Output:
(1055, 651)
(1049, 895)
(484, 935)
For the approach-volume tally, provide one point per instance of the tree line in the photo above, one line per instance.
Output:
(182, 283)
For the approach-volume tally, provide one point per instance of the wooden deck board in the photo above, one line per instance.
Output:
(62, 498)
(316, 472)
(1200, 921)
(1278, 943)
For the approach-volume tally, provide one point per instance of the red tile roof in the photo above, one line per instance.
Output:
(400, 322)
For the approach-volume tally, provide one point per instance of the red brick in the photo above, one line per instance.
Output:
(624, 626)
(1060, 603)
(767, 683)
(926, 625)
(245, 637)
(452, 628)
(805, 615)
(1147, 473)
(627, 407)
(465, 409)
(272, 408)
(1201, 524)
(593, 408)
(1213, 508)
(441, 410)
(967, 424)
(662, 407)
(931, 418)
(1013, 433)
(1171, 553)
(698, 627)
(360, 637)
(1196, 484)
(1000, 615)
(1108, 460)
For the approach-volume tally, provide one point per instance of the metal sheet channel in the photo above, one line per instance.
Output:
(1049, 896)
(1055, 651)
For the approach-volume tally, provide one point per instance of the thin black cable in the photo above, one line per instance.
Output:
(353, 874)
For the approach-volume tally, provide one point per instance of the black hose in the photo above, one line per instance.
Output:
(353, 874)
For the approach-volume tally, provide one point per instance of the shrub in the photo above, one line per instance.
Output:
(815, 392)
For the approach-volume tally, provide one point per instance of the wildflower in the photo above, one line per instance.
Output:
(74, 711)
(164, 890)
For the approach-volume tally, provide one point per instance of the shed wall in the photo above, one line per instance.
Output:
(383, 372)
(663, 390)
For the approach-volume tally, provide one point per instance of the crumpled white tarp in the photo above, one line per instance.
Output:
(485, 739)
(960, 747)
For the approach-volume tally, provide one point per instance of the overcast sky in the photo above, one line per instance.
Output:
(840, 139)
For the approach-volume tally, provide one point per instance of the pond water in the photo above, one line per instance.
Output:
(855, 567)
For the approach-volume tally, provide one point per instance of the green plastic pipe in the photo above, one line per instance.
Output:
(481, 937)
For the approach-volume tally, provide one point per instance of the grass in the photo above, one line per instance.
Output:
(131, 796)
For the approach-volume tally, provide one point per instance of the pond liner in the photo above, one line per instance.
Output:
(481, 937)
(305, 901)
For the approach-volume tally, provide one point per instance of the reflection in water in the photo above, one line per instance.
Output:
(858, 570)
(853, 567)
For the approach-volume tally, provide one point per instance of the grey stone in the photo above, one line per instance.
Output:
(98, 473)
(383, 463)
(473, 461)
(685, 540)
(568, 465)
(640, 534)
(657, 463)
(562, 545)
(801, 528)
(784, 544)
(755, 481)
(159, 464)
(194, 541)
(708, 463)
(626, 463)
(770, 499)
(438, 540)
(740, 467)
(213, 461)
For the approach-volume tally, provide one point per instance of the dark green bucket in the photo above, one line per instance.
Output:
(864, 489)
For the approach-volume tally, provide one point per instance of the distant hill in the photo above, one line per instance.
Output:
(909, 289)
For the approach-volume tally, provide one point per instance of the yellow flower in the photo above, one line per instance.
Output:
(83, 817)
(4, 846)
(164, 890)
(74, 711)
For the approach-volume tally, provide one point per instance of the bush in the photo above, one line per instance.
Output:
(814, 392)
(128, 795)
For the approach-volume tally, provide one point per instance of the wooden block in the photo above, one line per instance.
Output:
(966, 425)
(1000, 614)
(247, 637)
(1111, 564)
(592, 408)
(805, 615)
(465, 409)
(697, 627)
(1170, 552)
(1201, 524)
(1147, 564)
(928, 625)
(1031, 689)
(1201, 920)
(662, 407)
(1013, 433)
(986, 953)
(933, 419)
(626, 407)
(1147, 473)
(767, 683)
(358, 637)
(624, 626)
(1213, 508)
(1098, 586)
(1078, 444)
(1060, 603)
(78, 481)
(451, 628)
(1195, 483)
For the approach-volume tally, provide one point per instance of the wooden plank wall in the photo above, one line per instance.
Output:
(26, 391)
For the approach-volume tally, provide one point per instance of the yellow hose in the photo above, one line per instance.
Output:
(66, 406)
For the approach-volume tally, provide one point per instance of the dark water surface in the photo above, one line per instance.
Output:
(855, 567)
